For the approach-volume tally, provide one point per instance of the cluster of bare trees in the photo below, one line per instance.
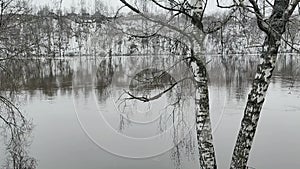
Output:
(15, 128)
(26, 34)
(50, 31)
(16, 131)
(273, 22)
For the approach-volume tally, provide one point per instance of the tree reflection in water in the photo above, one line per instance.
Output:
(30, 75)
(104, 77)
(51, 77)
(232, 73)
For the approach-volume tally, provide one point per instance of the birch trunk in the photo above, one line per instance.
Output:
(274, 27)
(203, 124)
(253, 108)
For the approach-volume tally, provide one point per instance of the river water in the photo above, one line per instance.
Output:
(85, 115)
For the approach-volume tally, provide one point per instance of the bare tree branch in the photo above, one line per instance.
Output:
(146, 99)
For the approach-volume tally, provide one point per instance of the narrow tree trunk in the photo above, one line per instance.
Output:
(203, 124)
(274, 27)
(254, 105)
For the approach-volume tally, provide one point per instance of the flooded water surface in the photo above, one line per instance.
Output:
(133, 112)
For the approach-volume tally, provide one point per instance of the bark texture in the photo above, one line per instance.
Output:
(274, 27)
(203, 124)
(253, 108)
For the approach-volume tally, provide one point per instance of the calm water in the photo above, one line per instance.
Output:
(83, 116)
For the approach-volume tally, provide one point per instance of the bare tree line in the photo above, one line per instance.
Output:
(54, 32)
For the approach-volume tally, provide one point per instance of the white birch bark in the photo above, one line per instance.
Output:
(203, 124)
(253, 108)
(274, 27)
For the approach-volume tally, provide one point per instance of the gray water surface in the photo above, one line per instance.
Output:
(64, 98)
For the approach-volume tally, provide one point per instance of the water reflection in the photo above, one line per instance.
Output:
(288, 71)
(51, 75)
(150, 79)
(104, 75)
(47, 75)
(135, 80)
(108, 77)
